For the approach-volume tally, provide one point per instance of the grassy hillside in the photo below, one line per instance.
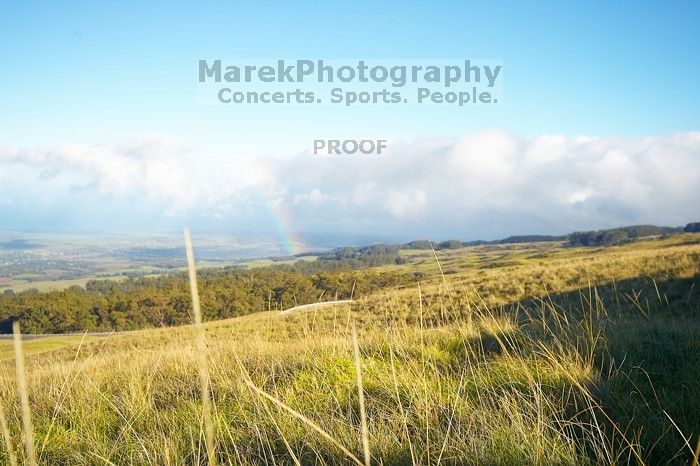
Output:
(501, 354)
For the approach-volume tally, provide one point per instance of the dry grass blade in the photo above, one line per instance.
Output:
(202, 365)
(28, 434)
(305, 420)
(101, 458)
(685, 440)
(361, 397)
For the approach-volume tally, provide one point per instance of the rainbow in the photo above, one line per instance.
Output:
(281, 218)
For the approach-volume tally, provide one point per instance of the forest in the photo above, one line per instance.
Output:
(146, 302)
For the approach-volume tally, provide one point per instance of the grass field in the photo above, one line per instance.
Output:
(513, 354)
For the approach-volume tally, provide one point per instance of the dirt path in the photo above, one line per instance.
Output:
(307, 307)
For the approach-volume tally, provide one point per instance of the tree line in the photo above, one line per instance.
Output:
(136, 303)
(604, 237)
(619, 235)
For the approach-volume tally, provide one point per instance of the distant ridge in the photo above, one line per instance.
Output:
(592, 238)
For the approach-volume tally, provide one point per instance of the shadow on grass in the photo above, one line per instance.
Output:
(646, 339)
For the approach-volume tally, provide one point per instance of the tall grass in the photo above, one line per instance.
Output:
(22, 390)
(7, 439)
(202, 365)
(361, 398)
(448, 373)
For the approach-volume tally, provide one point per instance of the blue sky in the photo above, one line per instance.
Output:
(97, 74)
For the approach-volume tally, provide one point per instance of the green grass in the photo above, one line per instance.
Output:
(518, 355)
(35, 346)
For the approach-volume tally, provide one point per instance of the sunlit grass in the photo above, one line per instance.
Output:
(573, 358)
(41, 345)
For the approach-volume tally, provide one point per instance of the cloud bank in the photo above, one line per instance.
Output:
(483, 185)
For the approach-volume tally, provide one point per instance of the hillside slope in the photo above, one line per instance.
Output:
(527, 355)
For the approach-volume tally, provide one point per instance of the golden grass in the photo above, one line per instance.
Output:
(7, 439)
(462, 371)
(202, 364)
(22, 390)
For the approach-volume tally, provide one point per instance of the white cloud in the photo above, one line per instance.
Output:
(407, 203)
(484, 184)
(315, 196)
